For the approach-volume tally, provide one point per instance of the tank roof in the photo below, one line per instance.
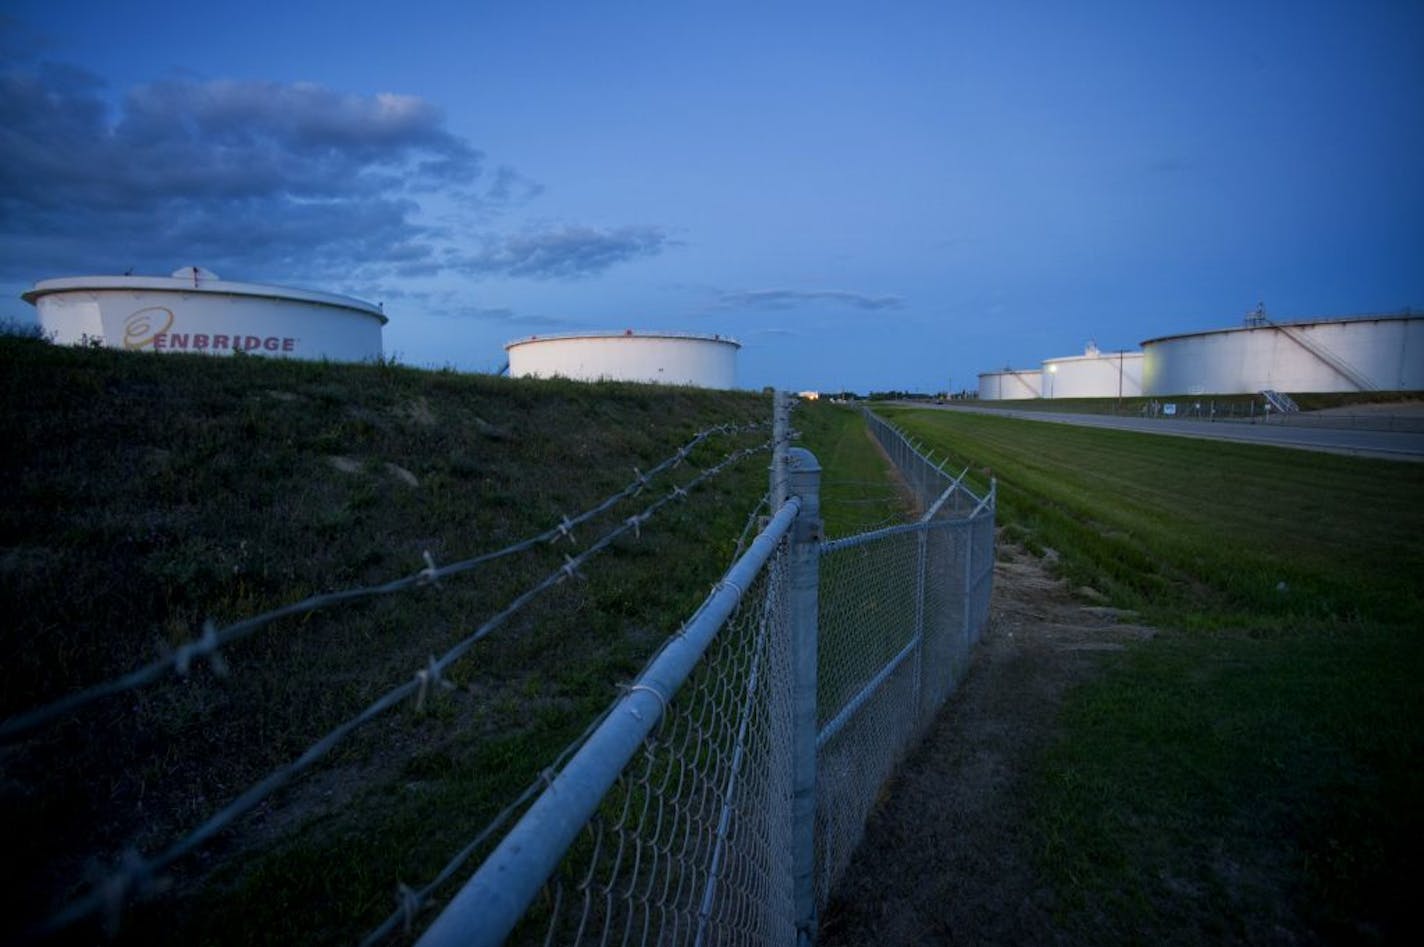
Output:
(1098, 356)
(1405, 316)
(625, 334)
(198, 281)
(1011, 371)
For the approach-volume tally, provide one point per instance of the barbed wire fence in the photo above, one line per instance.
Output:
(720, 797)
(137, 875)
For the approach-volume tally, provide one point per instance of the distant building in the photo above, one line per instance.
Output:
(1354, 353)
(1011, 384)
(1094, 374)
(664, 358)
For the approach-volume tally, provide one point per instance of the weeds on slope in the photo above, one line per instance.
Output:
(145, 495)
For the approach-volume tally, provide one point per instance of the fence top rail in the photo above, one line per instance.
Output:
(944, 497)
(486, 909)
(875, 535)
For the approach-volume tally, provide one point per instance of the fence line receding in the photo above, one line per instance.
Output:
(721, 803)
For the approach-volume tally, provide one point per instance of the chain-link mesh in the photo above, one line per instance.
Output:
(925, 480)
(867, 678)
(696, 841)
(900, 610)
(693, 843)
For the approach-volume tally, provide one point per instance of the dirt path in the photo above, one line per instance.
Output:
(946, 858)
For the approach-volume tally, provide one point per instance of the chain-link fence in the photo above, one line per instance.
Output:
(693, 841)
(722, 795)
(900, 610)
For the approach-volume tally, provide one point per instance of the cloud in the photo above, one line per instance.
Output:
(261, 179)
(780, 299)
(511, 187)
(564, 252)
(508, 317)
(251, 175)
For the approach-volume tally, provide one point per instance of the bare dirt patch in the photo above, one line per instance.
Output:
(946, 857)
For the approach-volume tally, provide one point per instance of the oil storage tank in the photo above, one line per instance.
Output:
(194, 310)
(1011, 384)
(1094, 374)
(1351, 353)
(664, 358)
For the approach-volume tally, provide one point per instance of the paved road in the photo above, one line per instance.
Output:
(1395, 445)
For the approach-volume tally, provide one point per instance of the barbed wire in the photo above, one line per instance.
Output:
(208, 645)
(750, 524)
(411, 900)
(136, 874)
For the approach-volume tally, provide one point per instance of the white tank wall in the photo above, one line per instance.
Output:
(1009, 385)
(210, 320)
(1387, 352)
(703, 361)
(1099, 375)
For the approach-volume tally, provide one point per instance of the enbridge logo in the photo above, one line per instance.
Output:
(143, 327)
(153, 328)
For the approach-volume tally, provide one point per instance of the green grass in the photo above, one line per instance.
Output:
(146, 494)
(1255, 768)
(1240, 406)
(859, 490)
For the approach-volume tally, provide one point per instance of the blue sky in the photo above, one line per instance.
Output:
(868, 195)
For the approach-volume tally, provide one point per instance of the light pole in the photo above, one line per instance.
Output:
(1052, 370)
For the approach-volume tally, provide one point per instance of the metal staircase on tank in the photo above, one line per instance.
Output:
(1280, 401)
(1258, 319)
(1032, 384)
(1351, 374)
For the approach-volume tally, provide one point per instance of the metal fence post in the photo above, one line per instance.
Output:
(968, 530)
(780, 441)
(921, 591)
(803, 603)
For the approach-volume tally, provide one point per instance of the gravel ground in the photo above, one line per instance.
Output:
(945, 859)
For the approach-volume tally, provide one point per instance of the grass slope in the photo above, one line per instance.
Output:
(144, 495)
(1252, 774)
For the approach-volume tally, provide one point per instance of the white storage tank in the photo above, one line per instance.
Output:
(1094, 374)
(196, 311)
(663, 358)
(1011, 384)
(1355, 353)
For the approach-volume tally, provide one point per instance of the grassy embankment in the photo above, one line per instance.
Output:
(144, 495)
(1254, 771)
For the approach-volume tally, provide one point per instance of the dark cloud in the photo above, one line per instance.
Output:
(563, 252)
(259, 179)
(791, 299)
